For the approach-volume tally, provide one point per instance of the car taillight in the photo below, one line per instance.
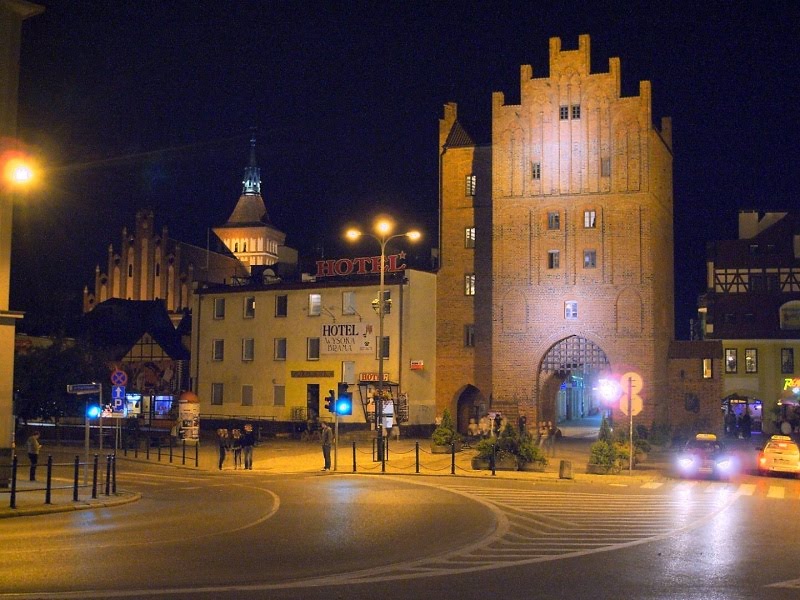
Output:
(762, 460)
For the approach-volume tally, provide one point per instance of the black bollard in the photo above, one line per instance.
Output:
(13, 503)
(49, 479)
(114, 474)
(493, 458)
(75, 478)
(183, 458)
(416, 450)
(94, 478)
(108, 475)
(196, 452)
(452, 458)
(354, 456)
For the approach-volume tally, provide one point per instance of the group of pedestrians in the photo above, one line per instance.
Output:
(239, 444)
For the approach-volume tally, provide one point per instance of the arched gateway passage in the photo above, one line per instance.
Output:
(567, 378)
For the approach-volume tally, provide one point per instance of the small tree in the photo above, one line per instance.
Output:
(445, 433)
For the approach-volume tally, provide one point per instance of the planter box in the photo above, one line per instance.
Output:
(480, 464)
(534, 467)
(506, 463)
(436, 449)
(599, 469)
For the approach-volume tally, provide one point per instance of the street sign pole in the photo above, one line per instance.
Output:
(630, 430)
(86, 441)
(336, 436)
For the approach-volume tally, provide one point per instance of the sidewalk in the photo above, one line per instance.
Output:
(281, 455)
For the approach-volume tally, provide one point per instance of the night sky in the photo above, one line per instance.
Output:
(149, 104)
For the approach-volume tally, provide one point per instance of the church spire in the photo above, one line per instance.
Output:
(251, 184)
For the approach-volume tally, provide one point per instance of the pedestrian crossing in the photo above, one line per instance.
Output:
(538, 525)
(787, 491)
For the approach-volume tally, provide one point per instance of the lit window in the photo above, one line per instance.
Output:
(280, 348)
(787, 361)
(469, 237)
(249, 307)
(471, 182)
(571, 310)
(576, 111)
(536, 170)
(750, 360)
(217, 349)
(589, 259)
(563, 112)
(553, 259)
(219, 308)
(469, 336)
(247, 395)
(248, 349)
(589, 219)
(707, 369)
(314, 305)
(553, 220)
(216, 394)
(348, 303)
(469, 284)
(312, 348)
(605, 167)
(731, 360)
(281, 306)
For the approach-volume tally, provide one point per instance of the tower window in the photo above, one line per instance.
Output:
(469, 237)
(570, 310)
(536, 170)
(589, 219)
(589, 259)
(553, 259)
(576, 111)
(553, 220)
(469, 284)
(471, 182)
(563, 112)
(605, 167)
(469, 336)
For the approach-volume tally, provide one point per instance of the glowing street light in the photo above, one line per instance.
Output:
(383, 235)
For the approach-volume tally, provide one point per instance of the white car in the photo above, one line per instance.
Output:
(780, 455)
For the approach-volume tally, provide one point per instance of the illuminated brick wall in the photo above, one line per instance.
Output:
(571, 146)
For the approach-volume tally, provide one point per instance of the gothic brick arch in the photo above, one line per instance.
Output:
(572, 363)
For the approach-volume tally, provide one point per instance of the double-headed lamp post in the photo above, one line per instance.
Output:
(383, 235)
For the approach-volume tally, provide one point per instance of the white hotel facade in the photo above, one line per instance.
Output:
(275, 350)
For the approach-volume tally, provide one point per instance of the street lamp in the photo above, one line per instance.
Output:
(383, 235)
(17, 174)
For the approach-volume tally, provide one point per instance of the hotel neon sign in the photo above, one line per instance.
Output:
(363, 265)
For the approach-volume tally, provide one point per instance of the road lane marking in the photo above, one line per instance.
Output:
(653, 485)
(776, 492)
(747, 489)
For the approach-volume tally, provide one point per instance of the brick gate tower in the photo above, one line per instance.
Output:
(556, 248)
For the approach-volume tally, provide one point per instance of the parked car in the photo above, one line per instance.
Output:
(705, 455)
(780, 455)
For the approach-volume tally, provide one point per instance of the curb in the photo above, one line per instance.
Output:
(29, 511)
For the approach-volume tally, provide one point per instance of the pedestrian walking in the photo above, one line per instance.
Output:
(544, 435)
(224, 443)
(33, 446)
(498, 423)
(236, 446)
(327, 440)
(248, 441)
(552, 434)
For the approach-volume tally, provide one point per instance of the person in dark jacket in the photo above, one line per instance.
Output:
(248, 441)
(327, 440)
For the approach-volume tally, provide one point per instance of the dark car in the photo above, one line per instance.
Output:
(705, 455)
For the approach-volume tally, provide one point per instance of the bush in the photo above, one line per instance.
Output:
(510, 443)
(602, 453)
(445, 433)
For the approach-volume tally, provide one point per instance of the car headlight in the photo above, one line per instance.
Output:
(724, 464)
(685, 462)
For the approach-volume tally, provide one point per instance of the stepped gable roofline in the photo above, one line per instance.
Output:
(695, 349)
(121, 323)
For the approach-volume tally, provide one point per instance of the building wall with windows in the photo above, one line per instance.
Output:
(578, 222)
(752, 304)
(274, 351)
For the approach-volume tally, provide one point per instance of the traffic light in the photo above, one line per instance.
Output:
(330, 402)
(344, 400)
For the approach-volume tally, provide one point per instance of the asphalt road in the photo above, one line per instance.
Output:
(197, 534)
